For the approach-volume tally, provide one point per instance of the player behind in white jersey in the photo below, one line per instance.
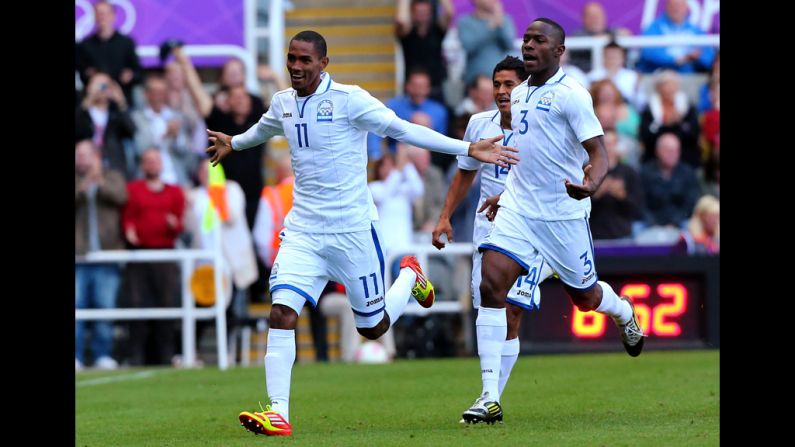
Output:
(543, 216)
(525, 294)
(330, 232)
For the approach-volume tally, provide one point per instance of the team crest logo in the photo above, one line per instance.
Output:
(546, 101)
(325, 111)
(274, 270)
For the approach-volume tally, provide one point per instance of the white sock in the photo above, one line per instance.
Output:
(399, 294)
(492, 326)
(614, 306)
(278, 369)
(510, 353)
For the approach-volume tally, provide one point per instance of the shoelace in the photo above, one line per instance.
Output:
(633, 332)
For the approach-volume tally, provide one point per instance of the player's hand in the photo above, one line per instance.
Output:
(222, 146)
(443, 226)
(491, 207)
(487, 150)
(587, 188)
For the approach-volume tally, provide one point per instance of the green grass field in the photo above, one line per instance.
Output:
(659, 398)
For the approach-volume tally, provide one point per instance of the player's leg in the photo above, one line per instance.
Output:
(524, 295)
(299, 275)
(567, 245)
(356, 260)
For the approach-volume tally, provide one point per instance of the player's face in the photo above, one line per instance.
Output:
(540, 47)
(504, 82)
(304, 65)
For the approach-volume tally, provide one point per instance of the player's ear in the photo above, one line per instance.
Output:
(324, 62)
(559, 50)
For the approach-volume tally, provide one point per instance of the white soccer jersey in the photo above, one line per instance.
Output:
(327, 134)
(492, 177)
(550, 122)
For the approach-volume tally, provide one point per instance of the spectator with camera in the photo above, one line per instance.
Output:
(102, 117)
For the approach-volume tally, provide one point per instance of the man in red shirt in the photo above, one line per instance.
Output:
(152, 219)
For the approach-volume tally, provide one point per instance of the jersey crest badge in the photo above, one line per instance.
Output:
(325, 111)
(546, 101)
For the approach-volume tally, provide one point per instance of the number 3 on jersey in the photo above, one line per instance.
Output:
(306, 136)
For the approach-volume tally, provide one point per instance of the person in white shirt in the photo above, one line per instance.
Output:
(543, 214)
(330, 232)
(525, 294)
(625, 79)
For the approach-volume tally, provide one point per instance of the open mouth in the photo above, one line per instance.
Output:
(504, 101)
(296, 77)
(529, 58)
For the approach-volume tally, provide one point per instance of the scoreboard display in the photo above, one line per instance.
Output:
(675, 309)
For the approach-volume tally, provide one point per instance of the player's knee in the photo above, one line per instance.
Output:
(282, 317)
(490, 293)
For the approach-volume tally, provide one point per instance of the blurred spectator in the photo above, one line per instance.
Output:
(233, 75)
(236, 244)
(416, 99)
(421, 38)
(99, 197)
(479, 97)
(625, 80)
(275, 202)
(243, 112)
(486, 35)
(572, 70)
(236, 241)
(671, 188)
(619, 200)
(152, 219)
(628, 147)
(594, 24)
(429, 205)
(710, 136)
(702, 235)
(396, 187)
(270, 82)
(109, 51)
(158, 125)
(682, 58)
(627, 118)
(178, 98)
(103, 118)
(669, 110)
(705, 93)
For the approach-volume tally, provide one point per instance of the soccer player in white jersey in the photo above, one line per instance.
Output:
(542, 213)
(330, 232)
(525, 294)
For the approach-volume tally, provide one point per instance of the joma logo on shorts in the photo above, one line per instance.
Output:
(377, 300)
(587, 278)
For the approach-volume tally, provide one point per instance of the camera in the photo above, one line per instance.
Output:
(168, 46)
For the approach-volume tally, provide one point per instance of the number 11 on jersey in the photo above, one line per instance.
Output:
(306, 136)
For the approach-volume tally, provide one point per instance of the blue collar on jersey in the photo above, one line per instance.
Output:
(549, 81)
(505, 138)
(325, 78)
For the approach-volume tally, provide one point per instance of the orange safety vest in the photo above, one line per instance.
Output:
(280, 199)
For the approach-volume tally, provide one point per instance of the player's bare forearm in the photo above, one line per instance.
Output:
(597, 154)
(462, 181)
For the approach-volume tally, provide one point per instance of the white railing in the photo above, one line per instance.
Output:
(188, 312)
(423, 252)
(597, 43)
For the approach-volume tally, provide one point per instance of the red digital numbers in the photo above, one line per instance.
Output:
(658, 320)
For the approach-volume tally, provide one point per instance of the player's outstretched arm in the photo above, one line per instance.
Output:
(594, 172)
